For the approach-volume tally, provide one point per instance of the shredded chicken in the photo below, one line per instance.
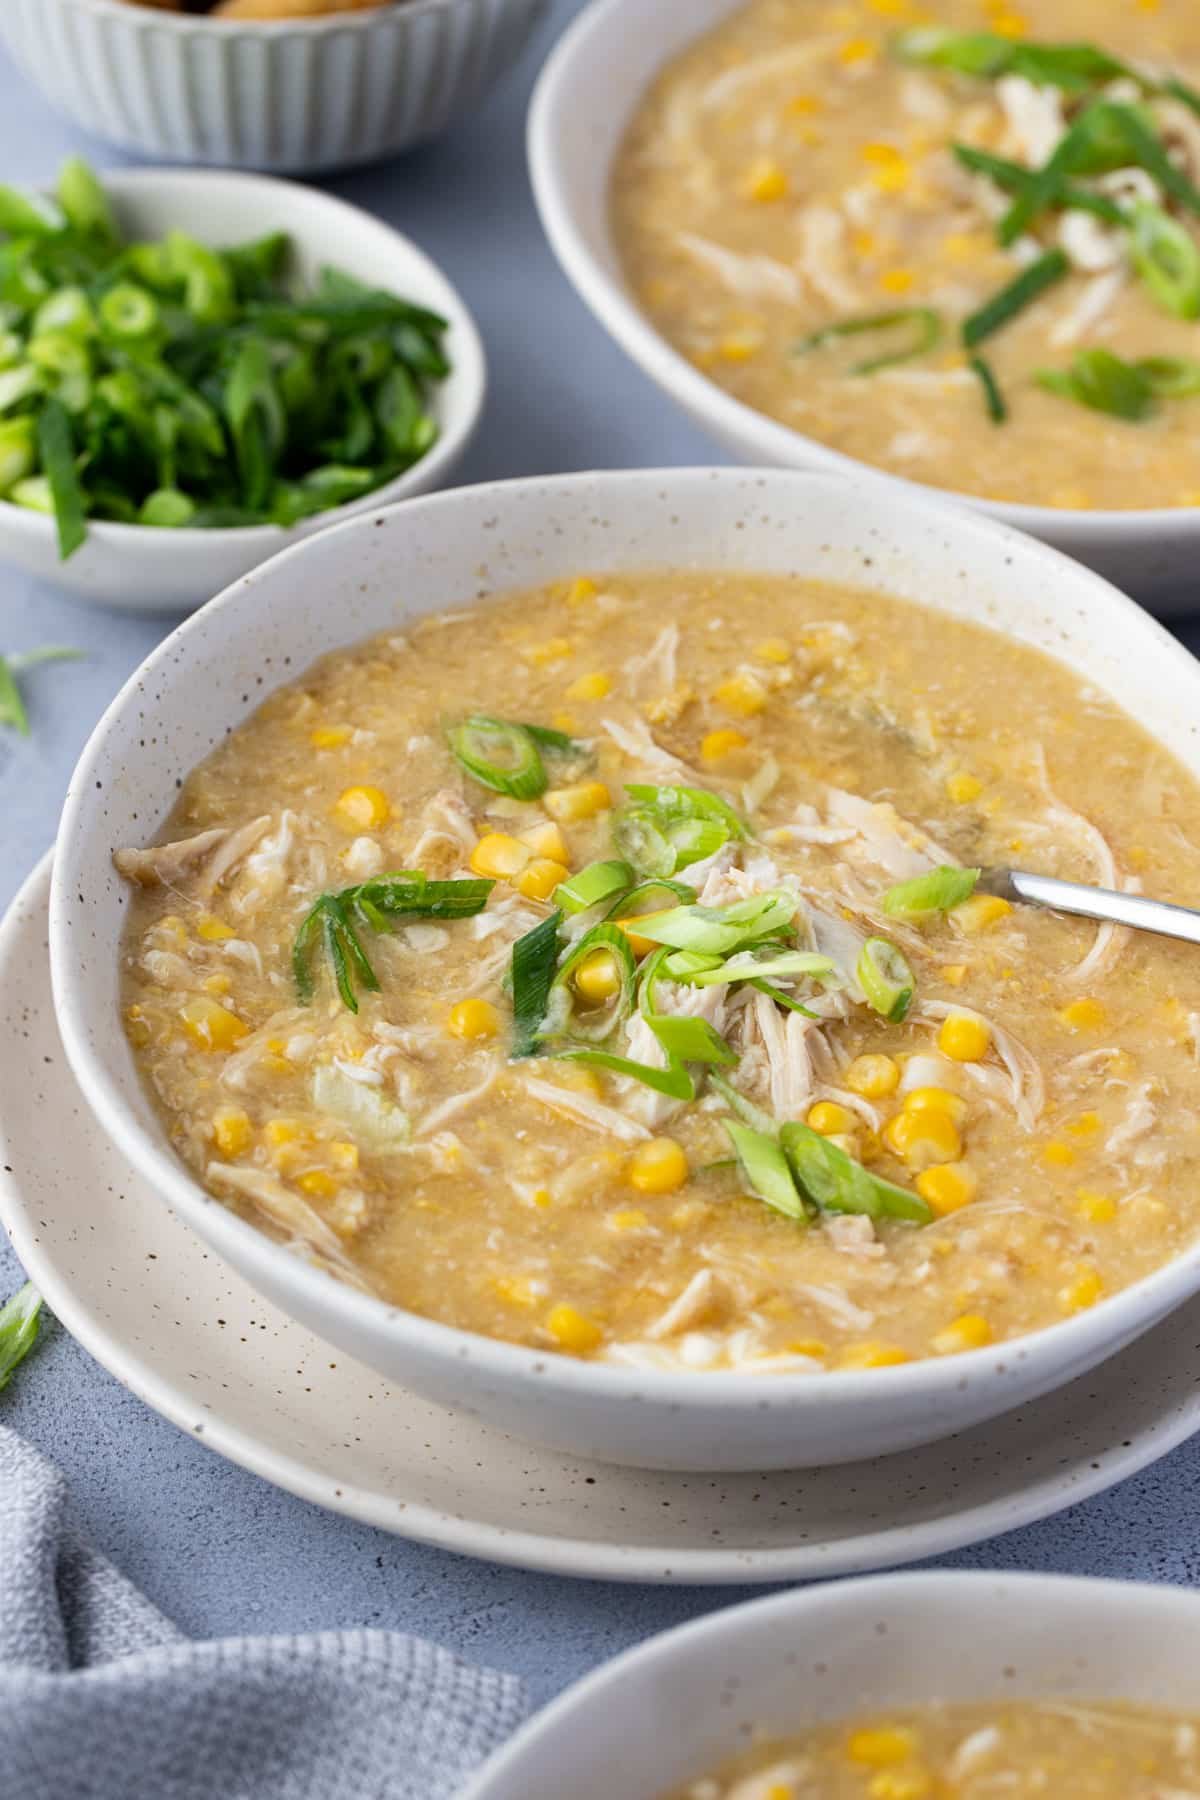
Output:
(304, 1228)
(581, 1106)
(1141, 1114)
(699, 1297)
(165, 864)
(749, 277)
(633, 736)
(1027, 1084)
(459, 1103)
(447, 836)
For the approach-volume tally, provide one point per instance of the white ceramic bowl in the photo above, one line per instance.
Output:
(145, 570)
(373, 574)
(674, 1709)
(294, 96)
(576, 125)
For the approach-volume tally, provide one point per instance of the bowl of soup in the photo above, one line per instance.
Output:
(536, 933)
(905, 1687)
(961, 252)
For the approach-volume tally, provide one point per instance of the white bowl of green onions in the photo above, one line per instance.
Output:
(198, 368)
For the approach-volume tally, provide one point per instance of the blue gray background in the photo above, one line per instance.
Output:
(216, 1549)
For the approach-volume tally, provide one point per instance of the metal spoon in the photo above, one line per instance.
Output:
(1093, 903)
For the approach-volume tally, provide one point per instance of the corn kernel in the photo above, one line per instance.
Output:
(282, 1131)
(901, 1784)
(970, 1332)
(896, 281)
(963, 788)
(344, 1155)
(874, 1077)
(330, 737)
(658, 1167)
(980, 912)
(964, 1039)
(743, 695)
(808, 1347)
(538, 879)
(598, 977)
(773, 650)
(546, 840)
(1082, 1292)
(936, 1099)
(1098, 1209)
(947, 1187)
(869, 1355)
(596, 686)
(954, 973)
(856, 50)
(362, 809)
(921, 1139)
(582, 801)
(715, 746)
(137, 1025)
(641, 946)
(1085, 1125)
(581, 589)
(471, 1019)
(628, 1218)
(213, 930)
(1009, 24)
(551, 650)
(878, 1746)
(319, 1183)
(500, 856)
(829, 1119)
(1083, 1015)
(766, 181)
(231, 1131)
(565, 721)
(217, 984)
(575, 1332)
(582, 1081)
(738, 347)
(212, 1025)
(1058, 1155)
(517, 1290)
(801, 105)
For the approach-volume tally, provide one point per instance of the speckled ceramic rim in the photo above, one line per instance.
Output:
(1079, 1477)
(469, 371)
(198, 23)
(708, 1650)
(773, 443)
(1059, 1351)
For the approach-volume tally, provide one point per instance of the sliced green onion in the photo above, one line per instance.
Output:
(18, 384)
(1167, 258)
(564, 1017)
(407, 893)
(689, 803)
(766, 1170)
(925, 330)
(638, 838)
(745, 1109)
(652, 896)
(669, 828)
(18, 451)
(1073, 67)
(834, 1182)
(781, 999)
(166, 508)
(1019, 293)
(69, 310)
(598, 881)
(56, 447)
(993, 399)
(673, 1081)
(1104, 382)
(886, 978)
(327, 924)
(534, 960)
(504, 757)
(28, 215)
(719, 930)
(684, 1039)
(757, 965)
(129, 312)
(1015, 178)
(936, 892)
(19, 1321)
(1174, 377)
(331, 923)
(84, 202)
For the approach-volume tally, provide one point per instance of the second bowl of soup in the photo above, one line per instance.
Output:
(551, 959)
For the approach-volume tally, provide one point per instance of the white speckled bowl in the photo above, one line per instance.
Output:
(373, 574)
(675, 1708)
(295, 96)
(139, 569)
(576, 124)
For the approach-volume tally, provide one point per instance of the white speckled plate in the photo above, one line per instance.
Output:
(145, 1297)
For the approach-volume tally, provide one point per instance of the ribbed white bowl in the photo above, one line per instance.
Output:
(299, 95)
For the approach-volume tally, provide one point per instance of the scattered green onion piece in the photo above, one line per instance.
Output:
(1019, 293)
(534, 960)
(1167, 258)
(564, 1017)
(1104, 382)
(767, 1171)
(718, 931)
(835, 1183)
(1149, 151)
(937, 892)
(641, 841)
(504, 757)
(926, 331)
(331, 923)
(129, 312)
(1014, 178)
(673, 1081)
(776, 994)
(993, 399)
(20, 1318)
(652, 896)
(1174, 377)
(597, 882)
(886, 978)
(758, 965)
(327, 923)
(684, 1039)
(669, 828)
(1073, 67)
(744, 1109)
(56, 448)
(407, 893)
(689, 803)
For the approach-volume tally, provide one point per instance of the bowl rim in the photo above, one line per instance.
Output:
(940, 1588)
(124, 184)
(1110, 1325)
(772, 442)
(387, 11)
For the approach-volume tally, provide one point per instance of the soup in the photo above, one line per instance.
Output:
(809, 170)
(1023, 1750)
(604, 968)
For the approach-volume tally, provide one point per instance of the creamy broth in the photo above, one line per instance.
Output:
(1024, 1751)
(788, 172)
(1035, 1107)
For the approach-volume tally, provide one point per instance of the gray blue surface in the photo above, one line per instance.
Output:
(216, 1549)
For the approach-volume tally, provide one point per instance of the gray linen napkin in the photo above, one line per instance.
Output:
(101, 1698)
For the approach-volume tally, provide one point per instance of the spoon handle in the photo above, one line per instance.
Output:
(1134, 910)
